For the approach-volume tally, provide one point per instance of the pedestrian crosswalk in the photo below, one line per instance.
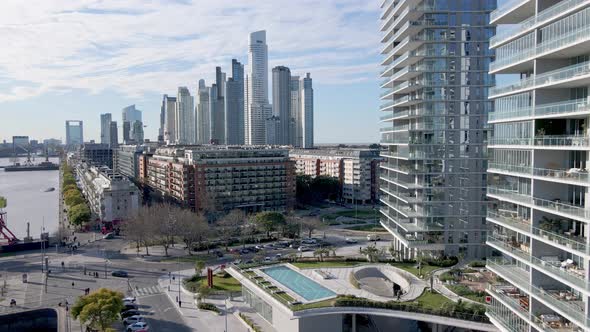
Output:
(148, 291)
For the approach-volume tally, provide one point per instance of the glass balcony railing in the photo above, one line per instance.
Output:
(524, 226)
(547, 140)
(386, 105)
(563, 107)
(551, 77)
(506, 7)
(576, 278)
(555, 206)
(540, 18)
(520, 279)
(573, 174)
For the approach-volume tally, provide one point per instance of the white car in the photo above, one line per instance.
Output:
(133, 320)
(129, 299)
(351, 240)
(373, 237)
(304, 248)
(138, 327)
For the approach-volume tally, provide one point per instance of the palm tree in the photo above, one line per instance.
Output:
(320, 252)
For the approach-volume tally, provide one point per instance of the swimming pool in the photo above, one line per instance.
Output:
(298, 283)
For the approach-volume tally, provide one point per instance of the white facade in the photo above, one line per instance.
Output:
(111, 196)
(185, 117)
(256, 94)
(538, 183)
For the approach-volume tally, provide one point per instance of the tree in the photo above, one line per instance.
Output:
(202, 292)
(372, 252)
(230, 226)
(99, 309)
(165, 220)
(269, 221)
(69, 187)
(199, 266)
(311, 224)
(321, 252)
(71, 195)
(79, 214)
(194, 228)
(395, 253)
(138, 229)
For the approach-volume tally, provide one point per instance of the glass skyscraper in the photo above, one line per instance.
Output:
(435, 105)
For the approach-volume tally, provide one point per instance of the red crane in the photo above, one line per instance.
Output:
(4, 231)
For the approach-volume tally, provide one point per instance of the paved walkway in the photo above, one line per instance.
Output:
(340, 284)
(440, 287)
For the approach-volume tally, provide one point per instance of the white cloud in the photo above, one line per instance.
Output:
(139, 46)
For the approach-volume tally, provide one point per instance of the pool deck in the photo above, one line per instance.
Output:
(341, 285)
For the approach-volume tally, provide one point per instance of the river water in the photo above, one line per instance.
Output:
(27, 201)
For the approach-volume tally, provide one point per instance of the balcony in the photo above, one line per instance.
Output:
(570, 76)
(573, 175)
(566, 108)
(546, 15)
(572, 275)
(513, 11)
(570, 309)
(548, 141)
(555, 207)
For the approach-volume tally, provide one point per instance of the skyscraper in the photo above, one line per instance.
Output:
(297, 130)
(162, 128)
(434, 115)
(538, 184)
(74, 133)
(306, 115)
(130, 114)
(137, 132)
(257, 106)
(105, 128)
(114, 135)
(169, 109)
(184, 117)
(217, 108)
(281, 103)
(203, 114)
(234, 105)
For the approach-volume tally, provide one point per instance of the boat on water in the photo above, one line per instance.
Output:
(48, 190)
(42, 166)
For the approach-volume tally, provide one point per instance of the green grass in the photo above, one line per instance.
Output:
(433, 301)
(227, 284)
(285, 297)
(313, 305)
(412, 268)
(466, 292)
(360, 214)
(189, 259)
(311, 265)
(367, 228)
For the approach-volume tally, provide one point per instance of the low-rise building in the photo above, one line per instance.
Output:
(111, 196)
(222, 177)
(96, 154)
(356, 169)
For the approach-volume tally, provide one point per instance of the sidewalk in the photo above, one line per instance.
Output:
(198, 320)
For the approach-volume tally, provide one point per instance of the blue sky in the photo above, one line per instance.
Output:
(72, 60)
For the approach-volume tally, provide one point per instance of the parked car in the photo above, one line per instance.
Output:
(130, 313)
(219, 253)
(351, 240)
(137, 327)
(309, 241)
(259, 247)
(109, 236)
(373, 237)
(120, 273)
(129, 306)
(267, 259)
(133, 320)
(279, 256)
(244, 251)
(129, 299)
(304, 248)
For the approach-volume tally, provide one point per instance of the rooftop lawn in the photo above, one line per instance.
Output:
(433, 301)
(227, 284)
(412, 268)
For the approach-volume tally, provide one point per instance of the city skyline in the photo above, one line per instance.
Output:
(343, 61)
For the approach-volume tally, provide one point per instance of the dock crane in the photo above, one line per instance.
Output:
(4, 231)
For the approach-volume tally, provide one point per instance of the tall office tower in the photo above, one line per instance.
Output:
(74, 133)
(218, 108)
(184, 117)
(126, 132)
(297, 129)
(234, 105)
(114, 135)
(203, 114)
(273, 130)
(434, 125)
(169, 109)
(137, 132)
(130, 114)
(306, 109)
(162, 128)
(105, 128)
(257, 106)
(281, 102)
(538, 186)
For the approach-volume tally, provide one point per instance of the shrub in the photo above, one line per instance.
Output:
(250, 323)
(445, 261)
(478, 264)
(208, 306)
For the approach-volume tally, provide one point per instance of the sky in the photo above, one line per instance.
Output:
(75, 59)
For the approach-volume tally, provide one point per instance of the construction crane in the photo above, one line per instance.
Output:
(4, 231)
